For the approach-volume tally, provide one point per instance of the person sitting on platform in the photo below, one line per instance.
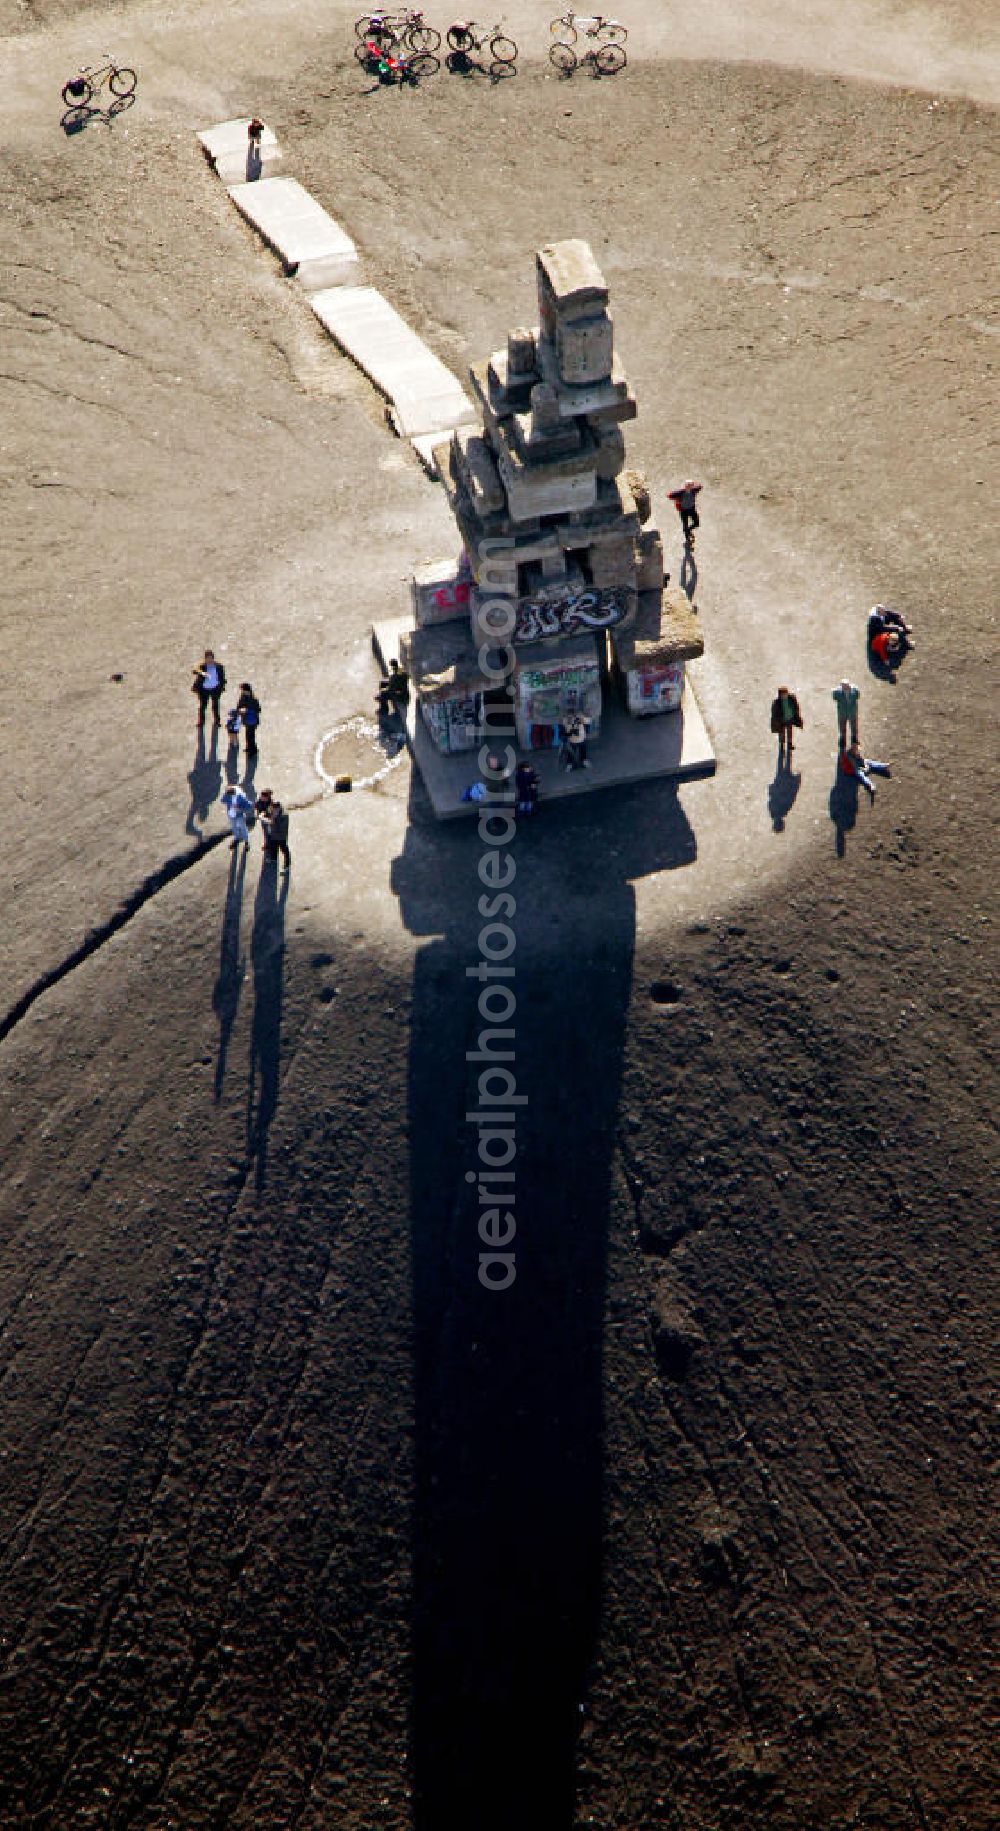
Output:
(394, 691)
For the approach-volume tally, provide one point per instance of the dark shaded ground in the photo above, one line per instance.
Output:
(695, 1527)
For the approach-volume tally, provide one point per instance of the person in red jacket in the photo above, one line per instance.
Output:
(854, 763)
(684, 502)
(887, 648)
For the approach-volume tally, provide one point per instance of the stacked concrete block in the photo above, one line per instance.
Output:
(440, 591)
(649, 660)
(552, 524)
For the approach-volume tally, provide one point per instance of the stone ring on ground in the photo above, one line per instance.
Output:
(360, 748)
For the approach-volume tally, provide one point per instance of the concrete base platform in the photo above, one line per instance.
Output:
(228, 150)
(675, 744)
(308, 243)
(424, 395)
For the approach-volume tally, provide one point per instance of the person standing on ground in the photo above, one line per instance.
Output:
(785, 716)
(238, 805)
(526, 787)
(684, 502)
(274, 821)
(248, 712)
(575, 739)
(845, 698)
(209, 683)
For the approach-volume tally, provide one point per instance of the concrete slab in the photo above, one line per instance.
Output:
(424, 396)
(424, 445)
(628, 750)
(307, 241)
(227, 148)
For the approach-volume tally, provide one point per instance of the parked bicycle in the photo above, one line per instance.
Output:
(606, 59)
(406, 28)
(393, 66)
(467, 39)
(593, 25)
(80, 91)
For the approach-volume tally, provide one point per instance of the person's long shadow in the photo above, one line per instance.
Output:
(232, 965)
(267, 951)
(843, 807)
(781, 793)
(204, 781)
(509, 1511)
(232, 761)
(687, 578)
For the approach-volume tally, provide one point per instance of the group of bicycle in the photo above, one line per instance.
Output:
(401, 47)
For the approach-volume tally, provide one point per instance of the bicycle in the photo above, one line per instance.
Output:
(607, 59)
(406, 28)
(594, 25)
(467, 37)
(79, 92)
(381, 58)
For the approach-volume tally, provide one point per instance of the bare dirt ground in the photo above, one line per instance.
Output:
(695, 1526)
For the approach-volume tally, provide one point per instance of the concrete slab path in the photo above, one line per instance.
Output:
(307, 241)
(424, 395)
(227, 148)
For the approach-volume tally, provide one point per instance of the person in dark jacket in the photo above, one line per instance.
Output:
(785, 718)
(248, 713)
(526, 787)
(209, 683)
(394, 691)
(274, 821)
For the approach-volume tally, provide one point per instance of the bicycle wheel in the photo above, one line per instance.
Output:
(421, 64)
(422, 38)
(504, 50)
(78, 93)
(613, 33)
(609, 60)
(564, 57)
(122, 81)
(564, 29)
(363, 26)
(459, 39)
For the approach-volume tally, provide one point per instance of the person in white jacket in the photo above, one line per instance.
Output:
(237, 805)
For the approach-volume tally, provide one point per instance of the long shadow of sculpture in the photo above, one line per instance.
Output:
(268, 956)
(508, 1381)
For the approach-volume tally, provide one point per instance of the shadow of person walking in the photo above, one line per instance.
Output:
(843, 807)
(267, 950)
(687, 578)
(509, 1511)
(781, 793)
(204, 782)
(232, 965)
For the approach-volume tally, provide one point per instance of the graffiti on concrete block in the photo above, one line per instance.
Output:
(570, 613)
(454, 595)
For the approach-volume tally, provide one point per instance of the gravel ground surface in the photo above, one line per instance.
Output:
(695, 1526)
